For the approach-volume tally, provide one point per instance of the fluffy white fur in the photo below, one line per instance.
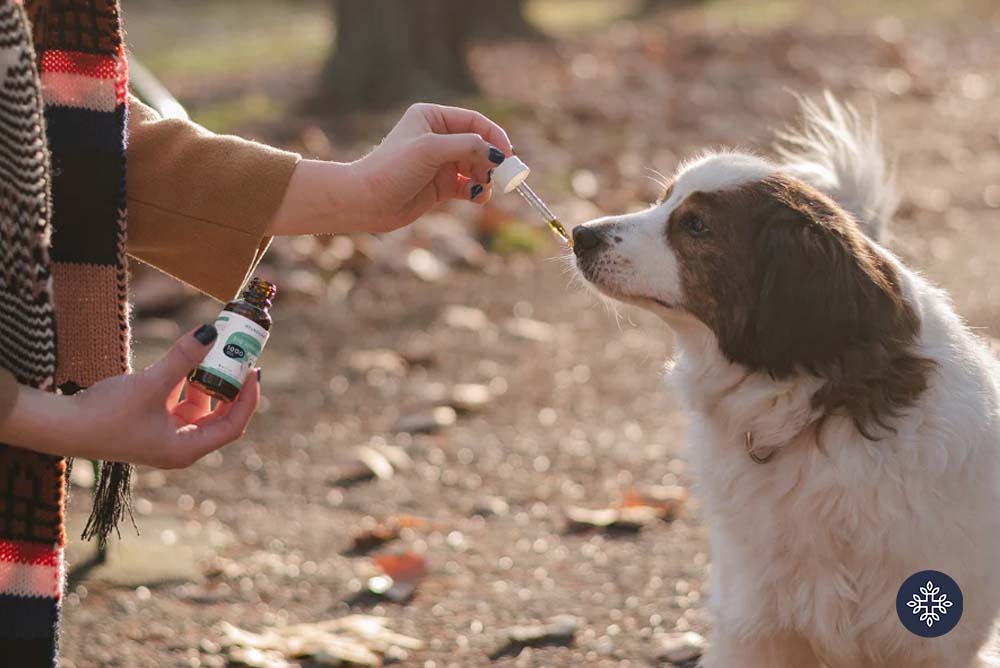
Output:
(810, 549)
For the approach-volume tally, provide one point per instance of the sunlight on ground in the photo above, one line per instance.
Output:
(754, 15)
(772, 14)
(227, 38)
(560, 16)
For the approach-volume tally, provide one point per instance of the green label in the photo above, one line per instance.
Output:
(239, 345)
(235, 352)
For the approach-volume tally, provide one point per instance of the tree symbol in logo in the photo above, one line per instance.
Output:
(930, 603)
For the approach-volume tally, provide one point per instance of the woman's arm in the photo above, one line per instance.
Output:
(433, 154)
(138, 418)
(199, 204)
(203, 207)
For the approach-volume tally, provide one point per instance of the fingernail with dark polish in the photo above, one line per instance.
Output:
(206, 334)
(258, 375)
(489, 176)
(496, 155)
(476, 191)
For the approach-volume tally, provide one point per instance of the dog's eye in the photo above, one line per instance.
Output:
(693, 225)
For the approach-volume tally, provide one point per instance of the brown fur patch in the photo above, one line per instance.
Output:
(788, 282)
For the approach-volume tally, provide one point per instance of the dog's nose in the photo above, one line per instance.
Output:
(585, 239)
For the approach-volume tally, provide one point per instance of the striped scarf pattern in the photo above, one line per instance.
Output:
(63, 284)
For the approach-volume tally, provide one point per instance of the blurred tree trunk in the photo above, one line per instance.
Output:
(501, 19)
(392, 51)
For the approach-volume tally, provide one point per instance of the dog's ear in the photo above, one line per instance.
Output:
(826, 302)
(822, 292)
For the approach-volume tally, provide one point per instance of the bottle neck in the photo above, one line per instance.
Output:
(259, 293)
(257, 299)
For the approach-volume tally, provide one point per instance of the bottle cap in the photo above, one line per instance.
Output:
(510, 173)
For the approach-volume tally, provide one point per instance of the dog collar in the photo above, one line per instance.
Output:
(756, 457)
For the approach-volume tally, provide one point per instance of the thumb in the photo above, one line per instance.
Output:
(184, 356)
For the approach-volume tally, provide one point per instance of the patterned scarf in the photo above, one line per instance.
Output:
(62, 179)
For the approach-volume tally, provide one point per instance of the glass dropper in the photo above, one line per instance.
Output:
(525, 191)
(512, 175)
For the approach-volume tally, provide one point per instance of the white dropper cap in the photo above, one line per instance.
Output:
(510, 173)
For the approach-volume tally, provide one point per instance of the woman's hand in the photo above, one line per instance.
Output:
(434, 154)
(137, 418)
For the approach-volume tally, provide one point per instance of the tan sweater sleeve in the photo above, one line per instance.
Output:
(8, 393)
(199, 204)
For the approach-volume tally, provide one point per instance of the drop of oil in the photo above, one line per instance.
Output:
(560, 231)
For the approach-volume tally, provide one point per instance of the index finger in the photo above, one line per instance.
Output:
(455, 120)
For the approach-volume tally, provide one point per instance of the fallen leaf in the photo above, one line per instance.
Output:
(383, 532)
(352, 473)
(470, 397)
(401, 575)
(680, 649)
(426, 422)
(619, 519)
(530, 330)
(368, 464)
(558, 630)
(255, 658)
(376, 461)
(356, 639)
(637, 509)
(368, 539)
(666, 500)
(491, 506)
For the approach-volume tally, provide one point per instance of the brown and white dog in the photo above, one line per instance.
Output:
(845, 421)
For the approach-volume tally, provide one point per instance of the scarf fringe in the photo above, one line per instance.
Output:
(112, 502)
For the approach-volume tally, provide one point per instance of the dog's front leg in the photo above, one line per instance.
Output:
(781, 650)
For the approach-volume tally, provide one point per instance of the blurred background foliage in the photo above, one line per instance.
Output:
(328, 77)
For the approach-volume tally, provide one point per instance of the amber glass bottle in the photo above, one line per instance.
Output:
(244, 326)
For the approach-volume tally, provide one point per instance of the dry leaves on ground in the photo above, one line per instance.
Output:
(401, 573)
(361, 640)
(387, 530)
(636, 509)
(558, 630)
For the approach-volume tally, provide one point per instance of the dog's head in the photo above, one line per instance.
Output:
(781, 275)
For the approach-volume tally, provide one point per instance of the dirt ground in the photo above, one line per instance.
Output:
(256, 534)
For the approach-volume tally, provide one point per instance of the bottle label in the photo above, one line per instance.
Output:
(236, 350)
